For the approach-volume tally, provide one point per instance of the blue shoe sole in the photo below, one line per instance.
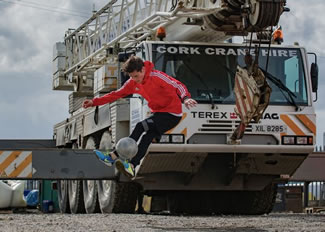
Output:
(120, 166)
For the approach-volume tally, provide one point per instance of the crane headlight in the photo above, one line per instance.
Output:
(297, 140)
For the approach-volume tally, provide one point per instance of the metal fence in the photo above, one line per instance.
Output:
(31, 184)
(319, 149)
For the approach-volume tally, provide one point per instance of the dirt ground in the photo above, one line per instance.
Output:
(140, 222)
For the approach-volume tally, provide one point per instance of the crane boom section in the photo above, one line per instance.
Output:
(125, 23)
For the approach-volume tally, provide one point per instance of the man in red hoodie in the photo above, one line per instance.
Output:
(165, 96)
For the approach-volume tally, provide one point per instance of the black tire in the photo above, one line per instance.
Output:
(105, 187)
(158, 204)
(76, 200)
(249, 202)
(223, 202)
(63, 192)
(262, 202)
(90, 195)
(117, 197)
(105, 195)
(174, 204)
(192, 203)
(63, 198)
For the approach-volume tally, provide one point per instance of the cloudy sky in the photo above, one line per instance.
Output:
(29, 29)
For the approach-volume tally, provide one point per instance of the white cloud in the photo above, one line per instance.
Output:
(305, 23)
(28, 37)
(29, 107)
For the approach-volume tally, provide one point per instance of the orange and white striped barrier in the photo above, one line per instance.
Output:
(300, 124)
(16, 164)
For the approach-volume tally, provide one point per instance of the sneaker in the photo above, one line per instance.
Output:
(105, 157)
(124, 167)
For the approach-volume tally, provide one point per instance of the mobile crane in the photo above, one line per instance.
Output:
(252, 128)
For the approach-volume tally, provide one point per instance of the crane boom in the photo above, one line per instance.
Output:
(125, 23)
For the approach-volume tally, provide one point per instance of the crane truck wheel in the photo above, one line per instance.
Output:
(75, 194)
(262, 202)
(115, 197)
(63, 199)
(90, 186)
(105, 187)
(176, 203)
(192, 203)
(247, 202)
(119, 197)
(222, 202)
(90, 196)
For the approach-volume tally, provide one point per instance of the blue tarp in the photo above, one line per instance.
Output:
(32, 198)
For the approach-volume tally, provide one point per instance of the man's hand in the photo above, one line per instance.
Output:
(87, 103)
(189, 102)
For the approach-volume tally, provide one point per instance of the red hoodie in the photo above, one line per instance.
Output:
(163, 93)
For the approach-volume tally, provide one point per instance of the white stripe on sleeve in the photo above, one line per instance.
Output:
(171, 82)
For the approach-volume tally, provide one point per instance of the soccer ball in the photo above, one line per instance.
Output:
(127, 148)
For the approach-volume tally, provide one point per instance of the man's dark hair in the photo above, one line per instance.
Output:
(134, 63)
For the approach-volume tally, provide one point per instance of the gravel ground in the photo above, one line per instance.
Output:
(143, 223)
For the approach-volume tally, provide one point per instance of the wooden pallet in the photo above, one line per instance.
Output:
(309, 210)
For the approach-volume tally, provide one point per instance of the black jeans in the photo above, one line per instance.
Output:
(154, 126)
